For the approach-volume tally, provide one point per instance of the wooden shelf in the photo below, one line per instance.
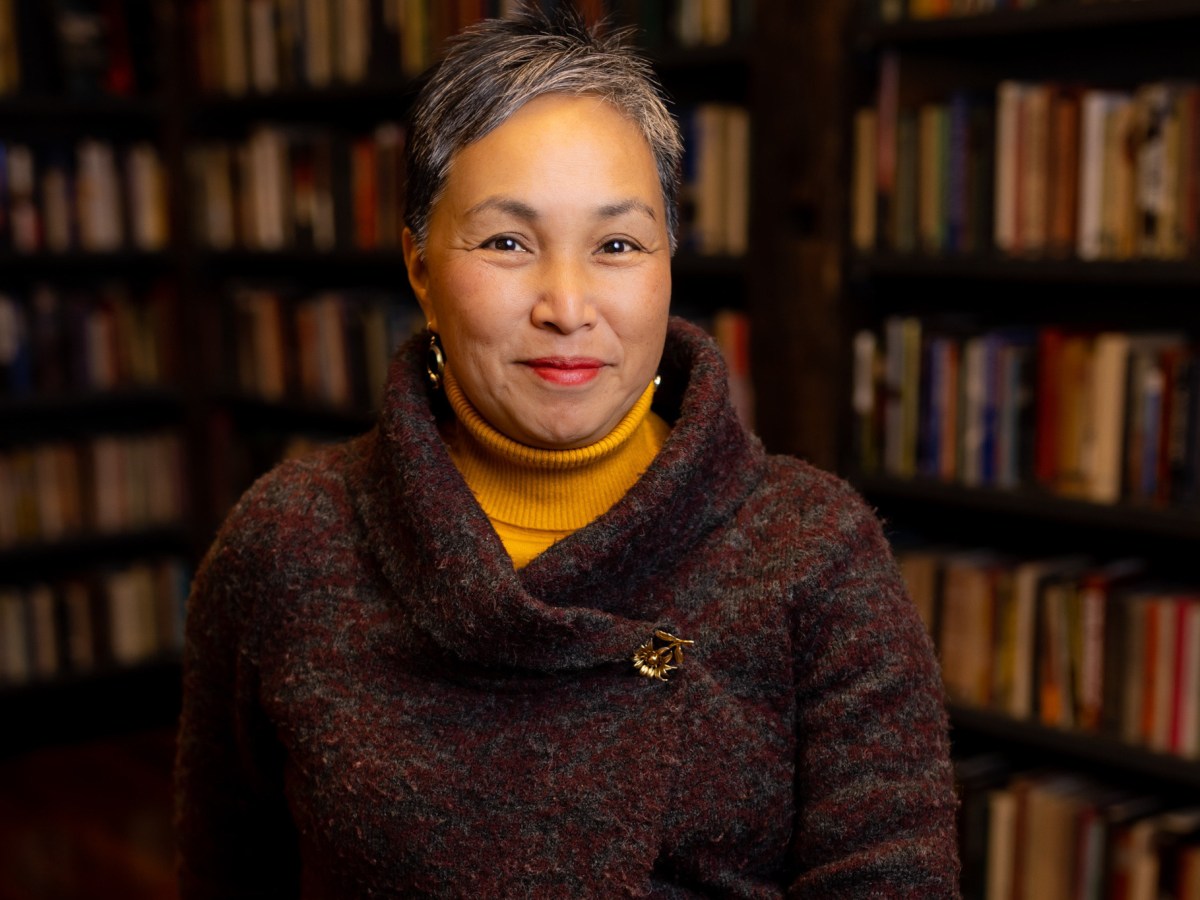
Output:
(687, 265)
(79, 410)
(89, 705)
(383, 267)
(81, 552)
(376, 101)
(1148, 522)
(991, 268)
(79, 111)
(294, 415)
(1050, 18)
(686, 59)
(78, 263)
(1093, 748)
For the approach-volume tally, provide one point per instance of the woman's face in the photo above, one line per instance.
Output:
(547, 271)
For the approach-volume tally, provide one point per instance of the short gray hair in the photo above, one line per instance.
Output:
(491, 69)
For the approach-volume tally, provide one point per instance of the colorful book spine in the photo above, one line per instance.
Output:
(1035, 169)
(1099, 415)
(92, 621)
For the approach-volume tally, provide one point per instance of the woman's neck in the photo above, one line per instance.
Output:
(555, 491)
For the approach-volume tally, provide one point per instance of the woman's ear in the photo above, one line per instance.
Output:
(418, 274)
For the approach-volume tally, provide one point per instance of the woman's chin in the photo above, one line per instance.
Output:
(562, 433)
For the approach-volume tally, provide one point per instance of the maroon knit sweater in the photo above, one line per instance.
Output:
(376, 704)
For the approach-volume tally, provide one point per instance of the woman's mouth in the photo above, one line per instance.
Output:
(566, 370)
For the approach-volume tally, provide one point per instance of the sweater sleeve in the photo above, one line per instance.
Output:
(235, 836)
(876, 803)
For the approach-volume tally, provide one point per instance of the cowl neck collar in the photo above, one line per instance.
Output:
(589, 600)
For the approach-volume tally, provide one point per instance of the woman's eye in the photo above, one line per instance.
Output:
(507, 244)
(619, 245)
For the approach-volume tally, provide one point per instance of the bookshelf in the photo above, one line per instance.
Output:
(1023, 179)
(96, 539)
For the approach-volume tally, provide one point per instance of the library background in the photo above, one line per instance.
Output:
(950, 248)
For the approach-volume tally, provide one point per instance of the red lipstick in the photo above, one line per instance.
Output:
(566, 370)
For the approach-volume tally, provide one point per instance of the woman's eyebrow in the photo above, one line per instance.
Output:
(507, 205)
(613, 210)
(521, 210)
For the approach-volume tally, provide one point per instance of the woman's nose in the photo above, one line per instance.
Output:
(564, 302)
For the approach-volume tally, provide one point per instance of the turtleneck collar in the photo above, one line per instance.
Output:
(593, 597)
(551, 490)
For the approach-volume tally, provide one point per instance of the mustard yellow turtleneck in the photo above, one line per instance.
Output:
(535, 497)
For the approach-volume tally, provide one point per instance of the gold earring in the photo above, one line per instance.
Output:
(435, 361)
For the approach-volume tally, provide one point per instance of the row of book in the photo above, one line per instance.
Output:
(1104, 648)
(306, 188)
(270, 45)
(264, 46)
(1052, 834)
(79, 48)
(330, 348)
(1030, 169)
(106, 484)
(92, 195)
(1102, 416)
(55, 341)
(715, 200)
(114, 617)
(301, 187)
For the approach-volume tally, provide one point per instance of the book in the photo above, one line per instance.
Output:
(82, 36)
(867, 400)
(736, 201)
(903, 230)
(932, 150)
(1009, 100)
(1092, 229)
(101, 207)
(24, 215)
(1062, 176)
(1153, 114)
(1099, 632)
(1146, 428)
(1015, 407)
(389, 149)
(1033, 163)
(16, 349)
(887, 105)
(1104, 437)
(365, 196)
(967, 639)
(1185, 719)
(14, 648)
(977, 779)
(902, 354)
(862, 190)
(57, 177)
(351, 21)
(318, 43)
(1002, 850)
(1118, 210)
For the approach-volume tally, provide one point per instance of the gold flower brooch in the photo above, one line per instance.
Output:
(654, 658)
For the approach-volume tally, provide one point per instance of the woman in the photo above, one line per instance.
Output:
(557, 624)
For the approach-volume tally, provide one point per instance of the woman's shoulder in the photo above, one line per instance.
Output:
(809, 489)
(304, 493)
